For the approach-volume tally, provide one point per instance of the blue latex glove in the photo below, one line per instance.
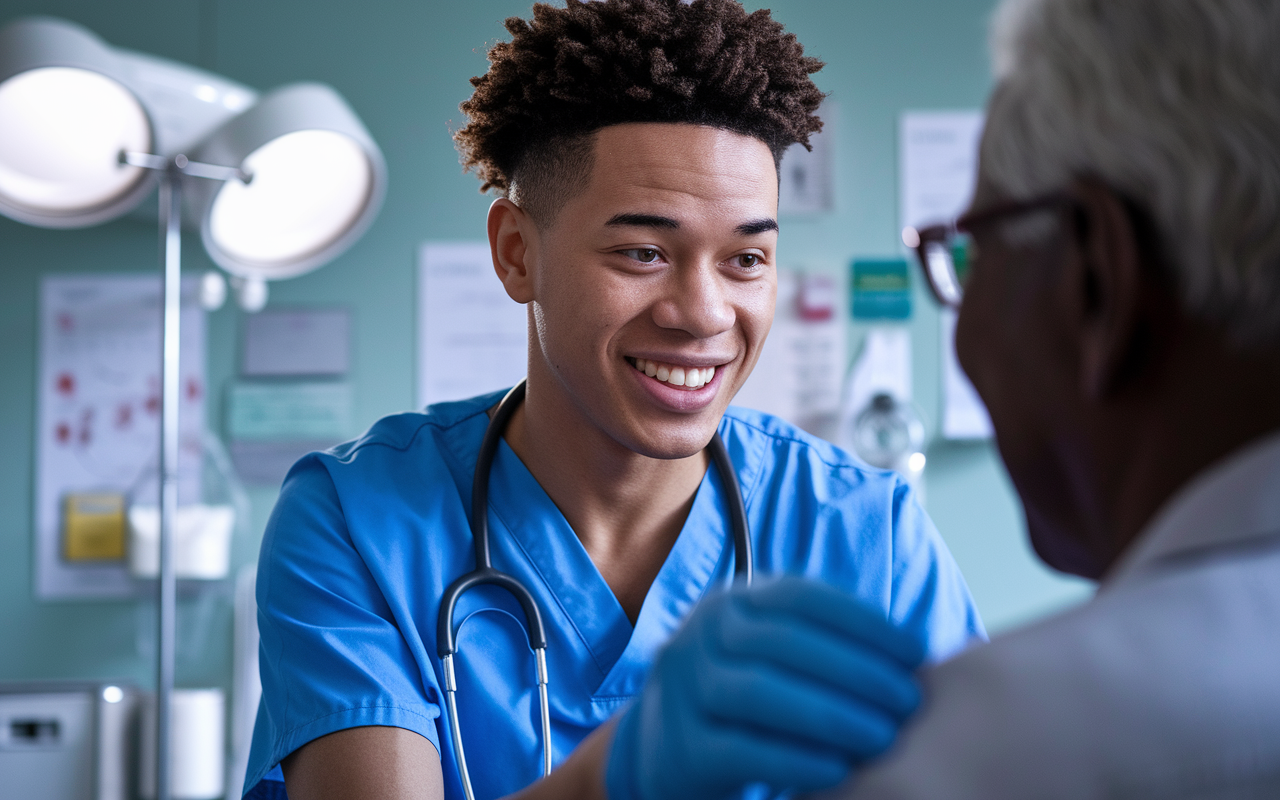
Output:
(790, 683)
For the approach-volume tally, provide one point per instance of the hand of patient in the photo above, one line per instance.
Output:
(790, 682)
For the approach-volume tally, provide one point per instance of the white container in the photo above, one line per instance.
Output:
(199, 745)
(201, 537)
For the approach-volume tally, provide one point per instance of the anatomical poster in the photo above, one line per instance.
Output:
(98, 424)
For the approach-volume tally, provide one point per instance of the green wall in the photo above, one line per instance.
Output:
(404, 67)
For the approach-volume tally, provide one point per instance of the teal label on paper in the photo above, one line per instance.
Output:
(881, 289)
(289, 411)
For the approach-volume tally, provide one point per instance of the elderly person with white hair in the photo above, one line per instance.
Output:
(1121, 320)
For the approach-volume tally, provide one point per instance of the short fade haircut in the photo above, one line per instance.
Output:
(571, 71)
(1174, 104)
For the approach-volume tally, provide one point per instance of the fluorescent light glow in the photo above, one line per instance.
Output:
(61, 132)
(235, 101)
(308, 189)
(112, 694)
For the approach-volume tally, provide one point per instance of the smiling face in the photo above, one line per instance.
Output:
(653, 288)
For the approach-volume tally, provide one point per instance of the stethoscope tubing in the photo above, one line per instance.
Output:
(485, 573)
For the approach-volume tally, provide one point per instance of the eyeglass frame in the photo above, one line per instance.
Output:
(918, 239)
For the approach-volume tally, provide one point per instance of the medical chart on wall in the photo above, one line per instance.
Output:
(297, 342)
(799, 373)
(938, 159)
(98, 424)
(471, 336)
(807, 175)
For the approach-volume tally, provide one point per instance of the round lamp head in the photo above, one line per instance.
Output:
(308, 187)
(65, 117)
(316, 180)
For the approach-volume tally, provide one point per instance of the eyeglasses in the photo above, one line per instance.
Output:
(946, 251)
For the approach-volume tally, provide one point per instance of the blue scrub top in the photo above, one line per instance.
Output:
(365, 538)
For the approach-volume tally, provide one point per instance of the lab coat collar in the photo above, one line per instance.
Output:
(1233, 502)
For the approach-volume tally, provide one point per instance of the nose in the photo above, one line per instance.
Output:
(696, 300)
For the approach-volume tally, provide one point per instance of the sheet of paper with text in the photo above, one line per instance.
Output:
(471, 336)
(938, 153)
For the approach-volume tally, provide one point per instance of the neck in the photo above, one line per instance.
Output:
(627, 509)
(1202, 407)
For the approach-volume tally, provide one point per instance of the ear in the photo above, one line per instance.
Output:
(1109, 285)
(513, 241)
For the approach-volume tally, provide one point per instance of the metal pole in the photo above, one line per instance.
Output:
(171, 238)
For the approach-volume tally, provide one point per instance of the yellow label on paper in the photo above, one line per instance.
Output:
(93, 527)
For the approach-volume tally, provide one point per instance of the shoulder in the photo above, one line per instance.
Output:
(776, 446)
(751, 425)
(1161, 632)
(820, 511)
(401, 460)
(1156, 688)
(402, 431)
(809, 481)
(444, 432)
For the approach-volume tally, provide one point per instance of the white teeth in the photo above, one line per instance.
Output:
(691, 377)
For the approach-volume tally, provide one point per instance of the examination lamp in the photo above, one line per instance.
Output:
(65, 115)
(315, 180)
(86, 130)
(278, 185)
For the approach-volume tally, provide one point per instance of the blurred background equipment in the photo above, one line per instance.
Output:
(278, 186)
(888, 433)
(199, 747)
(67, 741)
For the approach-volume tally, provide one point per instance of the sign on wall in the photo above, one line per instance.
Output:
(471, 336)
(98, 424)
(938, 153)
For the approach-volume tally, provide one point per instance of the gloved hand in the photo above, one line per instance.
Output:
(790, 682)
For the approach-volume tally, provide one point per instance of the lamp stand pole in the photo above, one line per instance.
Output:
(171, 174)
(170, 386)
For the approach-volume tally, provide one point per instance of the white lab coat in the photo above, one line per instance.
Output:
(1165, 685)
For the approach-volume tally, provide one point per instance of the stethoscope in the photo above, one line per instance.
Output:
(485, 573)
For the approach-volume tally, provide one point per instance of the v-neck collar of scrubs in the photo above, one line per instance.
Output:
(525, 513)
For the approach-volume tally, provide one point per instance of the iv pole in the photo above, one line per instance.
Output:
(172, 171)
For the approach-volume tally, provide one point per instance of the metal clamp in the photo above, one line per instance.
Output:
(186, 166)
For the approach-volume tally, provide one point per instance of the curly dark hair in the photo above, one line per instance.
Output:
(574, 70)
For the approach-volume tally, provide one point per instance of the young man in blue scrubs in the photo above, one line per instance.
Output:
(634, 145)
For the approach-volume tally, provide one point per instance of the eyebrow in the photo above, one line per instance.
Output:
(658, 221)
(757, 226)
(643, 221)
